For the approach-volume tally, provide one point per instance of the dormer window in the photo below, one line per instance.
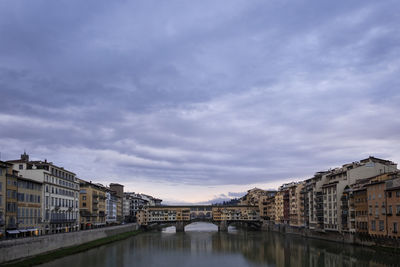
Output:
(21, 167)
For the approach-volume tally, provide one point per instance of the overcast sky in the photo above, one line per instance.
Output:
(192, 101)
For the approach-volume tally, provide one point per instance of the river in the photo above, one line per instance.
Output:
(202, 245)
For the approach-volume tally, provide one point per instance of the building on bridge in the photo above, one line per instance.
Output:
(183, 215)
(133, 203)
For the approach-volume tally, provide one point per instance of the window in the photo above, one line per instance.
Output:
(381, 226)
(389, 194)
(398, 209)
(390, 209)
(395, 227)
(397, 193)
(83, 204)
(21, 167)
(83, 197)
(47, 188)
(373, 225)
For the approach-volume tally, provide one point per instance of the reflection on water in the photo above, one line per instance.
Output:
(203, 245)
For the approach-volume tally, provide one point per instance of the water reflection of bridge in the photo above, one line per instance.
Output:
(180, 216)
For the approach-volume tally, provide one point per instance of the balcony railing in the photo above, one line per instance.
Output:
(61, 220)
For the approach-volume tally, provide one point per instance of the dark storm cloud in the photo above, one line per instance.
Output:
(214, 92)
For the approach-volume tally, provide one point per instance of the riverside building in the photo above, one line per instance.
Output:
(92, 205)
(29, 201)
(3, 181)
(60, 193)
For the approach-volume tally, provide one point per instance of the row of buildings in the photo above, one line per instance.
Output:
(38, 197)
(360, 197)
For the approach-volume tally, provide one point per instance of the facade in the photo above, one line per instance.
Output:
(133, 203)
(4, 166)
(167, 214)
(392, 192)
(8, 199)
(267, 206)
(60, 193)
(11, 202)
(361, 210)
(253, 197)
(330, 206)
(376, 208)
(119, 194)
(29, 197)
(92, 205)
(297, 205)
(111, 204)
(279, 207)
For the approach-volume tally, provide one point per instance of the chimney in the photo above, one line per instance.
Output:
(25, 157)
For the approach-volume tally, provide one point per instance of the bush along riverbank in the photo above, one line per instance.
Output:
(59, 253)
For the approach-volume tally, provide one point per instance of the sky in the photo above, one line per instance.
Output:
(199, 101)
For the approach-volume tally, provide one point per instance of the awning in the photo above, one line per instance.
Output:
(23, 231)
(13, 232)
(31, 229)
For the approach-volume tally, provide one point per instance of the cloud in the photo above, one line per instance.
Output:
(202, 93)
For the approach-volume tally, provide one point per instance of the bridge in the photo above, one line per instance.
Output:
(180, 216)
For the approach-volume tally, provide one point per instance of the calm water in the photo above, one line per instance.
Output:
(202, 245)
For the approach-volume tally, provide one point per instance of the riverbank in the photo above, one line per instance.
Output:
(388, 244)
(14, 251)
(60, 253)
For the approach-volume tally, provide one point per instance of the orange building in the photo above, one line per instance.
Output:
(361, 210)
(376, 208)
(393, 207)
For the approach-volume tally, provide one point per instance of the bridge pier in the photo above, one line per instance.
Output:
(223, 226)
(180, 227)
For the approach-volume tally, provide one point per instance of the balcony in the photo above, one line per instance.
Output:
(84, 213)
(62, 220)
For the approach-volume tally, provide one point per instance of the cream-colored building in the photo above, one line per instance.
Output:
(336, 213)
(296, 205)
(60, 193)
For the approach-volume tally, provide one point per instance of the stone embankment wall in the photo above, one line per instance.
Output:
(348, 238)
(25, 247)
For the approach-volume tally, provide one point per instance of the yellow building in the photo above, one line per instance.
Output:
(11, 223)
(29, 198)
(296, 205)
(267, 207)
(4, 166)
(279, 208)
(92, 204)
